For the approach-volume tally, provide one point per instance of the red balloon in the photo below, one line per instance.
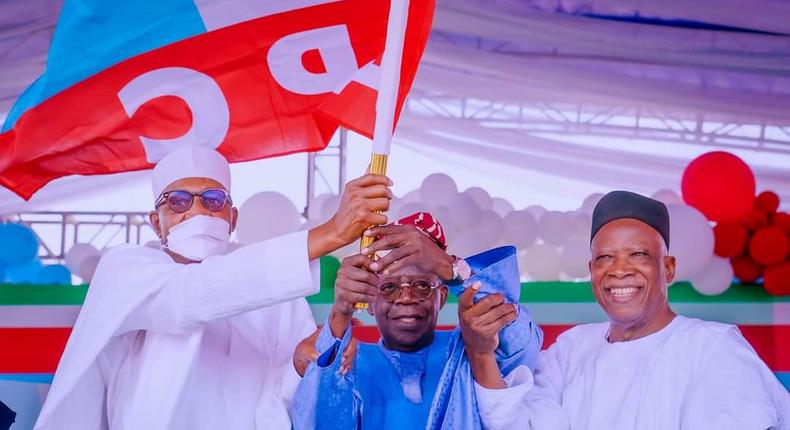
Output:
(777, 279)
(755, 220)
(720, 185)
(769, 246)
(731, 239)
(746, 270)
(767, 202)
(781, 220)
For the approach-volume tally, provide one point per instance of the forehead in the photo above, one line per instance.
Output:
(194, 184)
(407, 272)
(626, 232)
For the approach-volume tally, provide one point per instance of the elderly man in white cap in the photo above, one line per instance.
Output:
(196, 336)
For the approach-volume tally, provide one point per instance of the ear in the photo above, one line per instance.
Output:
(669, 269)
(370, 310)
(442, 296)
(234, 218)
(153, 218)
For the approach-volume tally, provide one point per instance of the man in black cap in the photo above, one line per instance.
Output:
(647, 368)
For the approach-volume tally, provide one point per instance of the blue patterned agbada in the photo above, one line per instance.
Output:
(431, 388)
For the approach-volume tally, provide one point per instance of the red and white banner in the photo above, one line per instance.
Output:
(270, 86)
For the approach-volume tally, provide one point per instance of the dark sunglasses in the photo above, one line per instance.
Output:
(418, 290)
(180, 201)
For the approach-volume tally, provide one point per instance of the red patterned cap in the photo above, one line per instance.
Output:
(427, 224)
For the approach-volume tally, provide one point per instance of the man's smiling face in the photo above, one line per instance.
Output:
(408, 323)
(630, 272)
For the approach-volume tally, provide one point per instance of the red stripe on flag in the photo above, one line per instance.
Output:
(32, 350)
(86, 130)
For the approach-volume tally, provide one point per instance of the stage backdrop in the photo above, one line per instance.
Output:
(35, 322)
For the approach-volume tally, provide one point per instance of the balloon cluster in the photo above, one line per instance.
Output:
(758, 245)
(553, 245)
(19, 261)
(749, 232)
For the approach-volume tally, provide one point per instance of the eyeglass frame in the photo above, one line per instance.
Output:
(163, 199)
(410, 285)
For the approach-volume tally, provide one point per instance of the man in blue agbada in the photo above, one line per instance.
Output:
(415, 376)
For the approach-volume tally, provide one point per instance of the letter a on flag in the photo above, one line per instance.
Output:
(127, 82)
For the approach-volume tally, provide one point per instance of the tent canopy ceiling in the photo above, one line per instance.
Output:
(531, 79)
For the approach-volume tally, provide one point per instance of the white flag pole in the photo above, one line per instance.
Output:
(387, 97)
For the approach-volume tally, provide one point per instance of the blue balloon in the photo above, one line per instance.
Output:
(54, 274)
(27, 274)
(18, 245)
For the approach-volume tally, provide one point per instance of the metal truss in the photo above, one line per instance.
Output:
(326, 170)
(564, 118)
(57, 232)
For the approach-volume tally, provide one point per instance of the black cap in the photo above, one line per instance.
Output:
(7, 417)
(624, 204)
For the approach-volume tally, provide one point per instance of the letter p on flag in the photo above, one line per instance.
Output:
(256, 85)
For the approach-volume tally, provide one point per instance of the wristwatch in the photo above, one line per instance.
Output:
(461, 270)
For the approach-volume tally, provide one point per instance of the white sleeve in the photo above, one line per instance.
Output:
(303, 326)
(530, 401)
(735, 389)
(503, 408)
(251, 277)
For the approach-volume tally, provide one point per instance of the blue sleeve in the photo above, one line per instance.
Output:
(519, 343)
(326, 399)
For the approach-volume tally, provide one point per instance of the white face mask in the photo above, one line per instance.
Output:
(199, 237)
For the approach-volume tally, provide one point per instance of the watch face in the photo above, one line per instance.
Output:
(464, 271)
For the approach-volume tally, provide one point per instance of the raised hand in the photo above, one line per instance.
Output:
(408, 245)
(361, 200)
(355, 283)
(480, 325)
(306, 353)
(481, 322)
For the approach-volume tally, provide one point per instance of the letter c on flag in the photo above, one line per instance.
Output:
(334, 45)
(210, 115)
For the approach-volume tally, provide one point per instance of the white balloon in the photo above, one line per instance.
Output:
(329, 207)
(88, 268)
(501, 206)
(406, 210)
(465, 245)
(490, 229)
(520, 229)
(690, 240)
(315, 206)
(553, 228)
(413, 196)
(542, 262)
(78, 254)
(580, 225)
(574, 258)
(441, 213)
(466, 210)
(668, 197)
(537, 211)
(714, 278)
(438, 188)
(589, 203)
(481, 197)
(266, 215)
